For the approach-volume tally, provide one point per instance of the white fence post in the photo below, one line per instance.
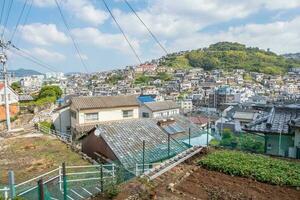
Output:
(60, 179)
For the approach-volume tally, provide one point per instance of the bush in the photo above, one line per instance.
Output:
(258, 167)
(111, 190)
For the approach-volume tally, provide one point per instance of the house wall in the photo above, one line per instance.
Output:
(164, 113)
(62, 120)
(92, 143)
(272, 143)
(110, 114)
(13, 110)
(12, 97)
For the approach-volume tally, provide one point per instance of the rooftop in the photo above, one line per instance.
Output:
(275, 122)
(80, 103)
(161, 105)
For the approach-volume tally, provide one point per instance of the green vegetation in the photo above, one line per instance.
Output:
(50, 91)
(244, 142)
(258, 167)
(177, 62)
(113, 79)
(228, 56)
(164, 76)
(16, 86)
(48, 94)
(142, 80)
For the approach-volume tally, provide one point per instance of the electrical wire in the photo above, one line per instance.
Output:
(7, 17)
(2, 11)
(72, 38)
(123, 33)
(33, 59)
(148, 29)
(25, 21)
(19, 19)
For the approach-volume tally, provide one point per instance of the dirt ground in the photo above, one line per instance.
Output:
(189, 181)
(33, 154)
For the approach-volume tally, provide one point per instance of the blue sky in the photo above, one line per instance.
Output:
(179, 25)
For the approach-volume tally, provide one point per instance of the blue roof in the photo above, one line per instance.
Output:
(146, 98)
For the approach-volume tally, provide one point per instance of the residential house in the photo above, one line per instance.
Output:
(280, 128)
(159, 109)
(83, 113)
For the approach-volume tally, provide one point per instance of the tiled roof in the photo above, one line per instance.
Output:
(275, 122)
(161, 105)
(24, 97)
(79, 103)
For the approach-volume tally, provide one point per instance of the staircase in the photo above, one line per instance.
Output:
(173, 162)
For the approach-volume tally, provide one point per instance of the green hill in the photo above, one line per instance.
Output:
(228, 56)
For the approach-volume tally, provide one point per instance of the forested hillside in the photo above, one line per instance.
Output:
(227, 55)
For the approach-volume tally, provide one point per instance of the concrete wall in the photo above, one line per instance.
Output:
(272, 142)
(62, 120)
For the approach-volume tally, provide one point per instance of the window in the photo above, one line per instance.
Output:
(127, 113)
(91, 117)
(145, 115)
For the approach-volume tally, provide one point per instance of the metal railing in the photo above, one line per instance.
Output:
(62, 136)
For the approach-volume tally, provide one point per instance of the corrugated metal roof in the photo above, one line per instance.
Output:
(161, 105)
(126, 137)
(80, 103)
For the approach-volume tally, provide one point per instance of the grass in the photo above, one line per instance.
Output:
(258, 167)
(32, 156)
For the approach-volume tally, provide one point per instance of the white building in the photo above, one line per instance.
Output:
(159, 109)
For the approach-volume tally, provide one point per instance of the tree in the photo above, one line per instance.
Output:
(16, 86)
(50, 91)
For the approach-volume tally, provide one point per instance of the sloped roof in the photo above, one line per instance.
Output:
(275, 122)
(80, 103)
(161, 105)
(125, 138)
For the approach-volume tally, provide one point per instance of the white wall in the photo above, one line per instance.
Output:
(62, 120)
(13, 97)
(111, 114)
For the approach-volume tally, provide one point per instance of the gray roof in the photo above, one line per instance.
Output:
(125, 138)
(275, 122)
(161, 105)
(79, 103)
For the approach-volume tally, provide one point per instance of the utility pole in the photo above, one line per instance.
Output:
(3, 60)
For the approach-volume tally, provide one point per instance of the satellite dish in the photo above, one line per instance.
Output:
(97, 132)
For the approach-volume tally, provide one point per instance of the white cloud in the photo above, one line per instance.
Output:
(93, 36)
(83, 10)
(43, 34)
(46, 55)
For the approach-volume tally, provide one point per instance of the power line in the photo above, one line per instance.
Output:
(25, 20)
(2, 11)
(33, 59)
(69, 31)
(19, 19)
(123, 33)
(150, 32)
(7, 17)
